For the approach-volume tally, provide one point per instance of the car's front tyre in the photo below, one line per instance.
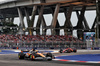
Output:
(21, 55)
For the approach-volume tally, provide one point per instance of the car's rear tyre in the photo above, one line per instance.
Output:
(21, 55)
(60, 50)
(75, 51)
(49, 59)
(32, 57)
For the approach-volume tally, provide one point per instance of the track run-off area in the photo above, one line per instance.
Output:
(80, 58)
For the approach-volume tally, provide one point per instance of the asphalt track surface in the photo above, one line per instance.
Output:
(12, 60)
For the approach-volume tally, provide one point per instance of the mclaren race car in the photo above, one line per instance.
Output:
(68, 50)
(34, 55)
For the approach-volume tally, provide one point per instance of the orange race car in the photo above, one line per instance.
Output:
(68, 50)
(34, 55)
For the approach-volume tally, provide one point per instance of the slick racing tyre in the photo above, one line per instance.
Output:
(21, 55)
(32, 57)
(75, 51)
(60, 51)
(49, 55)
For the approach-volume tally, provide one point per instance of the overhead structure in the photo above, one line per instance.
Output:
(27, 8)
(97, 22)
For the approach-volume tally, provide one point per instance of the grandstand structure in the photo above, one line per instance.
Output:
(26, 8)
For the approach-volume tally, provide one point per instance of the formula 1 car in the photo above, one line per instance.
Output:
(68, 50)
(36, 56)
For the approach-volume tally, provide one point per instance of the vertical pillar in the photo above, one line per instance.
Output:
(8, 19)
(33, 15)
(27, 16)
(21, 20)
(30, 22)
(39, 20)
(4, 18)
(54, 20)
(79, 24)
(22, 23)
(12, 19)
(43, 26)
(95, 22)
(98, 21)
(56, 29)
(86, 26)
(1, 17)
(68, 23)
